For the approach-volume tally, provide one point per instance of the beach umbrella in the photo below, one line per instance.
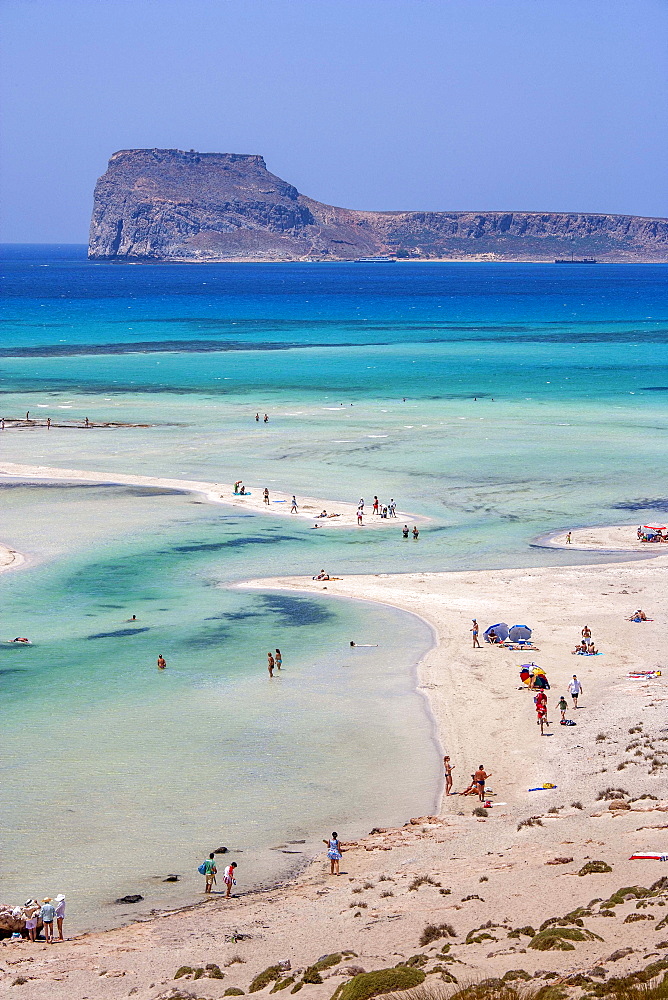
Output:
(648, 527)
(501, 630)
(518, 632)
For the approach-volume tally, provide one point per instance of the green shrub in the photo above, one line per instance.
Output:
(415, 961)
(184, 970)
(595, 868)
(268, 975)
(422, 880)
(527, 931)
(514, 974)
(372, 984)
(233, 991)
(559, 938)
(282, 984)
(434, 932)
(213, 971)
(312, 976)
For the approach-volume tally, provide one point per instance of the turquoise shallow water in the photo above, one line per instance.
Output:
(370, 375)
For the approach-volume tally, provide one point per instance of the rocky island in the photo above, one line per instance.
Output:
(171, 205)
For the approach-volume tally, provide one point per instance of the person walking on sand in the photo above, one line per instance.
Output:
(375, 505)
(48, 423)
(416, 533)
(270, 664)
(278, 659)
(266, 495)
(162, 662)
(359, 516)
(334, 853)
(586, 633)
(474, 632)
(540, 702)
(229, 879)
(568, 538)
(575, 690)
(47, 914)
(480, 777)
(210, 872)
(448, 774)
(562, 705)
(293, 509)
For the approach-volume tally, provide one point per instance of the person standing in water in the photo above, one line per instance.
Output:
(162, 663)
(228, 878)
(333, 853)
(448, 775)
(278, 659)
(210, 872)
(405, 531)
(257, 418)
(266, 419)
(416, 533)
(270, 664)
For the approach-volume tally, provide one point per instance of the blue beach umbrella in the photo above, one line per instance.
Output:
(519, 633)
(501, 630)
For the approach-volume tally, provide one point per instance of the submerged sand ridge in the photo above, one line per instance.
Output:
(339, 513)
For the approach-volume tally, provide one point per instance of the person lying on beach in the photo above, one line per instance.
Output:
(333, 515)
(366, 645)
(324, 514)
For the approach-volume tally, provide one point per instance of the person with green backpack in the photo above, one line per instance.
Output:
(208, 869)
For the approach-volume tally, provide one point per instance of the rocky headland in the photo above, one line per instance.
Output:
(171, 205)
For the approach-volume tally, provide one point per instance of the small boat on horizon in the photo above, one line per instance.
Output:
(576, 260)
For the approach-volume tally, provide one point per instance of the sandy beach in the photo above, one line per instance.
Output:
(339, 513)
(611, 538)
(484, 876)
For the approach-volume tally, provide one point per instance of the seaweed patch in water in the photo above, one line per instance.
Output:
(296, 610)
(237, 543)
(645, 504)
(119, 632)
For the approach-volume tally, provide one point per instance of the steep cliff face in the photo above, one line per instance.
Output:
(166, 204)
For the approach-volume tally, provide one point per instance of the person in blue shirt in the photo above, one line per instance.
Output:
(47, 916)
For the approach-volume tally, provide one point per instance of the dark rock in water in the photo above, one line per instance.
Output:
(129, 899)
(167, 204)
(220, 850)
(171, 878)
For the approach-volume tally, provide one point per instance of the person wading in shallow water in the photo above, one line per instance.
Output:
(278, 659)
(270, 664)
(228, 878)
(162, 662)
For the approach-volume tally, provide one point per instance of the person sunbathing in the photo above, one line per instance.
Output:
(591, 649)
(472, 789)
(580, 648)
(324, 514)
(638, 616)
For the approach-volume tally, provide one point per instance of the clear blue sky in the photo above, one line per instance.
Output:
(555, 105)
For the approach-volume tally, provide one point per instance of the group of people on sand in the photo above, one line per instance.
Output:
(653, 535)
(586, 645)
(209, 870)
(478, 779)
(274, 661)
(48, 912)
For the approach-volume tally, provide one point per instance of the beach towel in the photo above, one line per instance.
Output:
(548, 786)
(649, 856)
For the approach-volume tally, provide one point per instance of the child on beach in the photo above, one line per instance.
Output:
(334, 853)
(228, 878)
(562, 705)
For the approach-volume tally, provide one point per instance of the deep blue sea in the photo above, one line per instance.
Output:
(500, 400)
